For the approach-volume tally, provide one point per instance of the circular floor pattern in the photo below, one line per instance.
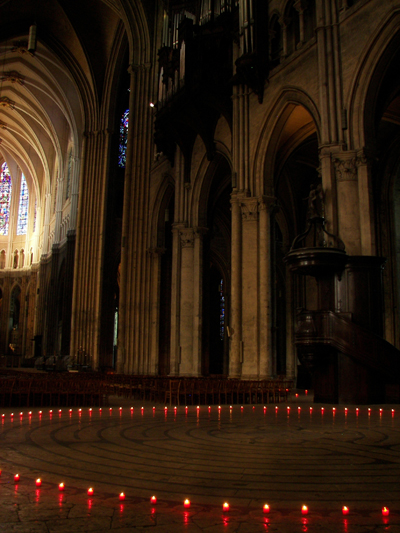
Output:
(248, 455)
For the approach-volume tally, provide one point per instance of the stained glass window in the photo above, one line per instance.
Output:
(34, 216)
(5, 198)
(69, 170)
(23, 208)
(123, 138)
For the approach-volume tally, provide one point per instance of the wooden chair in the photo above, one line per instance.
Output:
(6, 389)
(172, 393)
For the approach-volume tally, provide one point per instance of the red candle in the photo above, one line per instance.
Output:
(61, 486)
(266, 508)
(385, 511)
(345, 510)
(153, 500)
(38, 482)
(90, 491)
(122, 496)
(16, 478)
(304, 509)
(225, 506)
(186, 504)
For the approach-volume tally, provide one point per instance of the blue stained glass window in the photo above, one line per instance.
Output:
(23, 208)
(5, 198)
(123, 138)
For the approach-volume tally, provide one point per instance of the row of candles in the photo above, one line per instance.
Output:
(187, 503)
(288, 409)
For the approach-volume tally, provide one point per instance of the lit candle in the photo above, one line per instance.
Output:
(61, 486)
(385, 511)
(345, 510)
(186, 504)
(122, 496)
(266, 508)
(90, 491)
(16, 478)
(225, 506)
(38, 482)
(51, 410)
(304, 509)
(120, 408)
(153, 500)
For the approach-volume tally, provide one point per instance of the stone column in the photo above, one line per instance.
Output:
(88, 272)
(299, 6)
(175, 301)
(366, 205)
(265, 286)
(134, 309)
(198, 300)
(348, 201)
(186, 367)
(155, 266)
(235, 320)
(291, 356)
(250, 292)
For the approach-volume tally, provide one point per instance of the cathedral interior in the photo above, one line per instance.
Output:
(203, 188)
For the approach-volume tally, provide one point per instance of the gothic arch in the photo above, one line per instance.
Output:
(203, 183)
(163, 197)
(366, 83)
(265, 153)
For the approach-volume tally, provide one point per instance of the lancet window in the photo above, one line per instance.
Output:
(5, 199)
(22, 223)
(123, 138)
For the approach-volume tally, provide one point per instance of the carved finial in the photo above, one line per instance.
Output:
(6, 102)
(13, 76)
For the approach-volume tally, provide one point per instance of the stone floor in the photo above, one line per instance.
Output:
(324, 458)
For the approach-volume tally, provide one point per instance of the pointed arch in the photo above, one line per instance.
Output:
(372, 66)
(266, 150)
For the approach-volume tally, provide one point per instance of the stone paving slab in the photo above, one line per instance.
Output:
(248, 456)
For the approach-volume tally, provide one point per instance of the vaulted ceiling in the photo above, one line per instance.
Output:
(50, 96)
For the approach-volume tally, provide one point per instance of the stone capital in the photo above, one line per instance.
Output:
(267, 203)
(187, 237)
(250, 207)
(345, 166)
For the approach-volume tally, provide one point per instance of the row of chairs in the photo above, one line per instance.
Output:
(66, 389)
(225, 391)
(38, 392)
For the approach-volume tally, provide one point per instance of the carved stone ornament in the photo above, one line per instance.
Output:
(187, 238)
(250, 209)
(13, 76)
(346, 169)
(21, 47)
(6, 102)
